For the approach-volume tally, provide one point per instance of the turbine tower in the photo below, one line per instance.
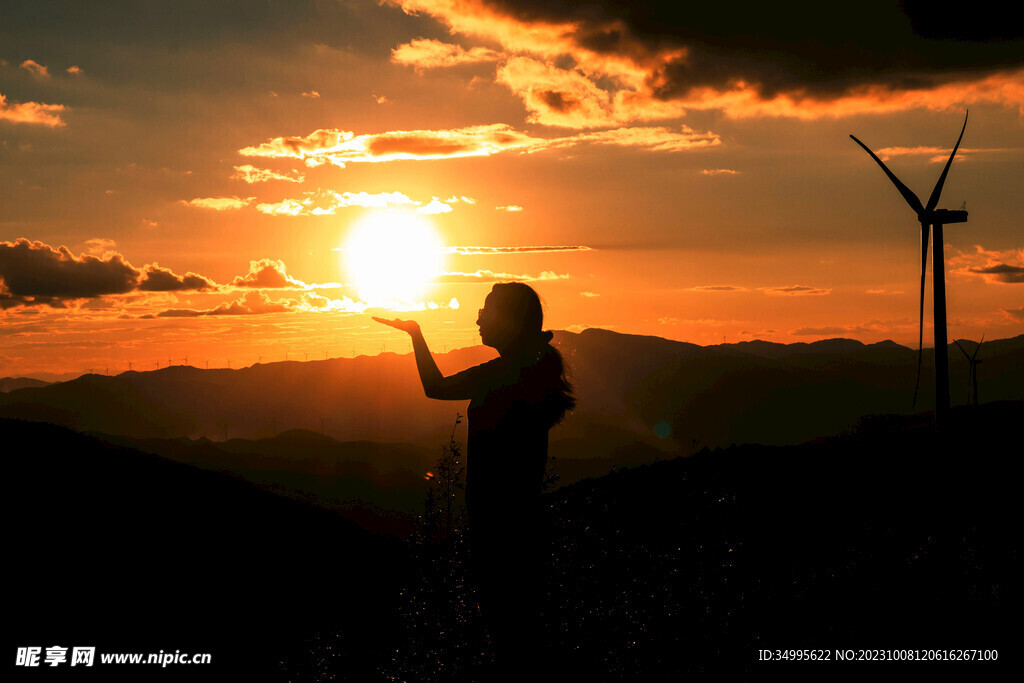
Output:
(928, 215)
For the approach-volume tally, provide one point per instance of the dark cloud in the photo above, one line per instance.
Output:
(34, 269)
(36, 274)
(559, 101)
(1003, 272)
(157, 279)
(808, 46)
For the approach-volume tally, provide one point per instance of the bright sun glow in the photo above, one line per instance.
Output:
(391, 256)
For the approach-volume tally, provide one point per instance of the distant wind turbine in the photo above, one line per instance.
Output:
(928, 215)
(972, 376)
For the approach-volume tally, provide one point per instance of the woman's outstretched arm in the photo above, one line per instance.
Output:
(435, 385)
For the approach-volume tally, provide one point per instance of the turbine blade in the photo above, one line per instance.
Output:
(920, 313)
(978, 348)
(961, 349)
(908, 196)
(934, 199)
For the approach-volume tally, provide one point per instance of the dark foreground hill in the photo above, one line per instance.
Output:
(887, 542)
(114, 548)
(378, 485)
(885, 538)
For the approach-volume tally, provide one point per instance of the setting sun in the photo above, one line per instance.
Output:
(391, 256)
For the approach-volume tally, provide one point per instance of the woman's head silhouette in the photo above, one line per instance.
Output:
(512, 318)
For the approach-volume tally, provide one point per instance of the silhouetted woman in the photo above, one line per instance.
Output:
(514, 400)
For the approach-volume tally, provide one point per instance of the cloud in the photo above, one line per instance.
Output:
(258, 303)
(589, 295)
(75, 70)
(717, 288)
(510, 208)
(654, 139)
(653, 60)
(719, 171)
(491, 276)
(157, 279)
(36, 274)
(996, 267)
(935, 154)
(435, 206)
(218, 203)
(251, 303)
(31, 112)
(251, 174)
(312, 94)
(424, 53)
(98, 246)
(1014, 313)
(285, 207)
(340, 147)
(326, 203)
(558, 97)
(35, 68)
(268, 274)
(1003, 272)
(470, 251)
(795, 290)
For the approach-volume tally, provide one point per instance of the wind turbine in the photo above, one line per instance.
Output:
(972, 376)
(928, 215)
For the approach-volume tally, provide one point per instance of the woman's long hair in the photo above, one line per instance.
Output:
(519, 305)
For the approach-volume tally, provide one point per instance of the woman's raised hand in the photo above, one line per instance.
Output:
(410, 326)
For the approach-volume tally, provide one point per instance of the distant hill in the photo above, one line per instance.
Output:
(12, 383)
(637, 395)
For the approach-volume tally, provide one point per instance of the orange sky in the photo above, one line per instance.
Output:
(184, 182)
